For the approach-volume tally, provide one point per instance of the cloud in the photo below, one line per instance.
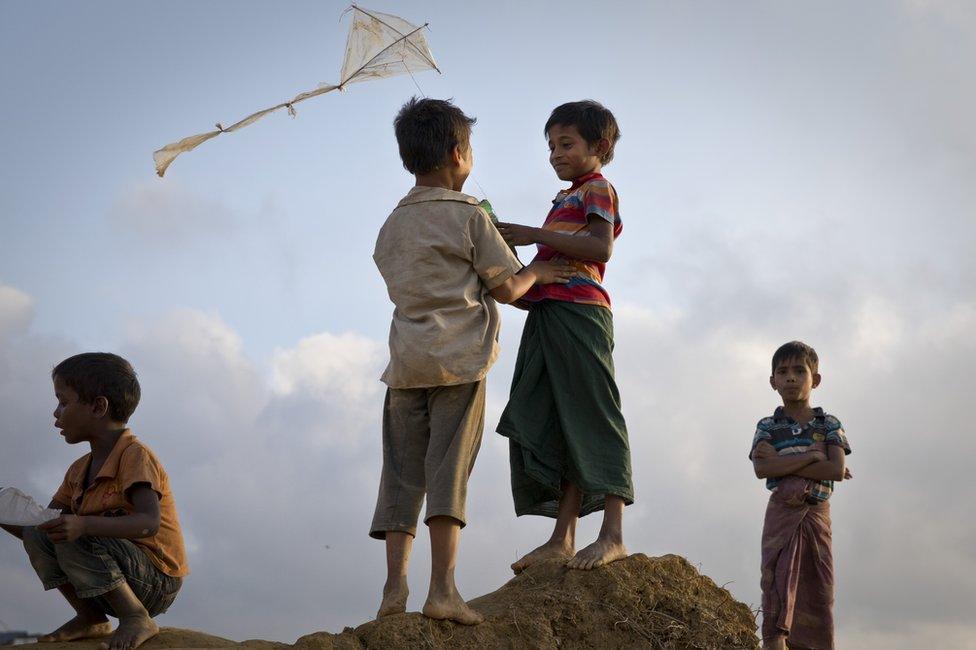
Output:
(16, 311)
(275, 469)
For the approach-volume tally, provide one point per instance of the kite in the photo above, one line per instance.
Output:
(18, 509)
(379, 45)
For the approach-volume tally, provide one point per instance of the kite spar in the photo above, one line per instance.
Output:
(379, 45)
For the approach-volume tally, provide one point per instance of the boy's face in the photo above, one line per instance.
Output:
(72, 416)
(793, 380)
(570, 155)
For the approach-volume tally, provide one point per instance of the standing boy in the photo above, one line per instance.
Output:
(569, 450)
(444, 265)
(800, 451)
(117, 548)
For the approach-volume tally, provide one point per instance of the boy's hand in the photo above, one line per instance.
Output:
(552, 272)
(764, 450)
(847, 474)
(817, 455)
(66, 528)
(517, 235)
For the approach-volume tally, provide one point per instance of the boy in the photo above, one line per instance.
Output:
(117, 548)
(569, 451)
(800, 451)
(444, 265)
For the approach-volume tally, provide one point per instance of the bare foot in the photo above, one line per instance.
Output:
(547, 551)
(600, 552)
(394, 598)
(79, 627)
(451, 608)
(132, 632)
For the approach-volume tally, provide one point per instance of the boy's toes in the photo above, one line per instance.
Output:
(597, 554)
(131, 633)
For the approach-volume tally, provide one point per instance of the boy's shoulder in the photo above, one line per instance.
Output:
(595, 182)
(426, 210)
(832, 422)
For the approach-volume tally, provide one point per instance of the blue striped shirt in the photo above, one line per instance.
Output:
(789, 437)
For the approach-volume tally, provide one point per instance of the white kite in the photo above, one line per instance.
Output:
(379, 45)
(18, 509)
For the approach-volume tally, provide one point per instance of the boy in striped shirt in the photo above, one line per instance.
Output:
(568, 444)
(800, 451)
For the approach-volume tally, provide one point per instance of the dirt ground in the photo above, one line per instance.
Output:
(659, 603)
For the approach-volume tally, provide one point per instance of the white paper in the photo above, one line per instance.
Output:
(18, 509)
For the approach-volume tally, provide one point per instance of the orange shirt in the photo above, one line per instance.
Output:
(129, 462)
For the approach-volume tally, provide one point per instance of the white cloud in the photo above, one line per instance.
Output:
(326, 364)
(16, 311)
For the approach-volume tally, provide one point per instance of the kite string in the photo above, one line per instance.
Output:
(414, 79)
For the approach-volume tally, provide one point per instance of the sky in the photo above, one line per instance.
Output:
(787, 171)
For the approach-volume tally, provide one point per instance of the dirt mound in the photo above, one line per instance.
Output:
(639, 602)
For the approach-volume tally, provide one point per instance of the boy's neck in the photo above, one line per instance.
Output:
(103, 440)
(800, 411)
(598, 169)
(444, 178)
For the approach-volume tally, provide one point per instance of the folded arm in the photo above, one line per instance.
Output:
(143, 522)
(831, 469)
(768, 464)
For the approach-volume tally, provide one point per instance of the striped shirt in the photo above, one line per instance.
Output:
(590, 195)
(789, 437)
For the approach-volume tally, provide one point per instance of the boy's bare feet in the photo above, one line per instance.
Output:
(561, 550)
(451, 607)
(602, 551)
(80, 627)
(394, 598)
(132, 632)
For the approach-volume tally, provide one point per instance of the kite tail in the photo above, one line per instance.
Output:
(165, 156)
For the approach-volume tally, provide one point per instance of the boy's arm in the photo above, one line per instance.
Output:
(18, 531)
(144, 522)
(768, 464)
(831, 469)
(535, 273)
(596, 248)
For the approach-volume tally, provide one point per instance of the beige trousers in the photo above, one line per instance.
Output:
(431, 438)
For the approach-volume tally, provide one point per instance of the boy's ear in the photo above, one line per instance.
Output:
(772, 382)
(456, 156)
(816, 379)
(99, 407)
(602, 147)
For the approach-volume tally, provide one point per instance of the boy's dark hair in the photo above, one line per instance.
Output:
(102, 374)
(592, 119)
(796, 350)
(427, 130)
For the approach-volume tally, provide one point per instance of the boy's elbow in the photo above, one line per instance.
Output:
(151, 526)
(603, 255)
(505, 292)
(503, 295)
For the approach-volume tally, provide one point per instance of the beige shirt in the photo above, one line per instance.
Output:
(440, 254)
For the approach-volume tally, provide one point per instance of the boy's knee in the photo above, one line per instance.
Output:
(37, 543)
